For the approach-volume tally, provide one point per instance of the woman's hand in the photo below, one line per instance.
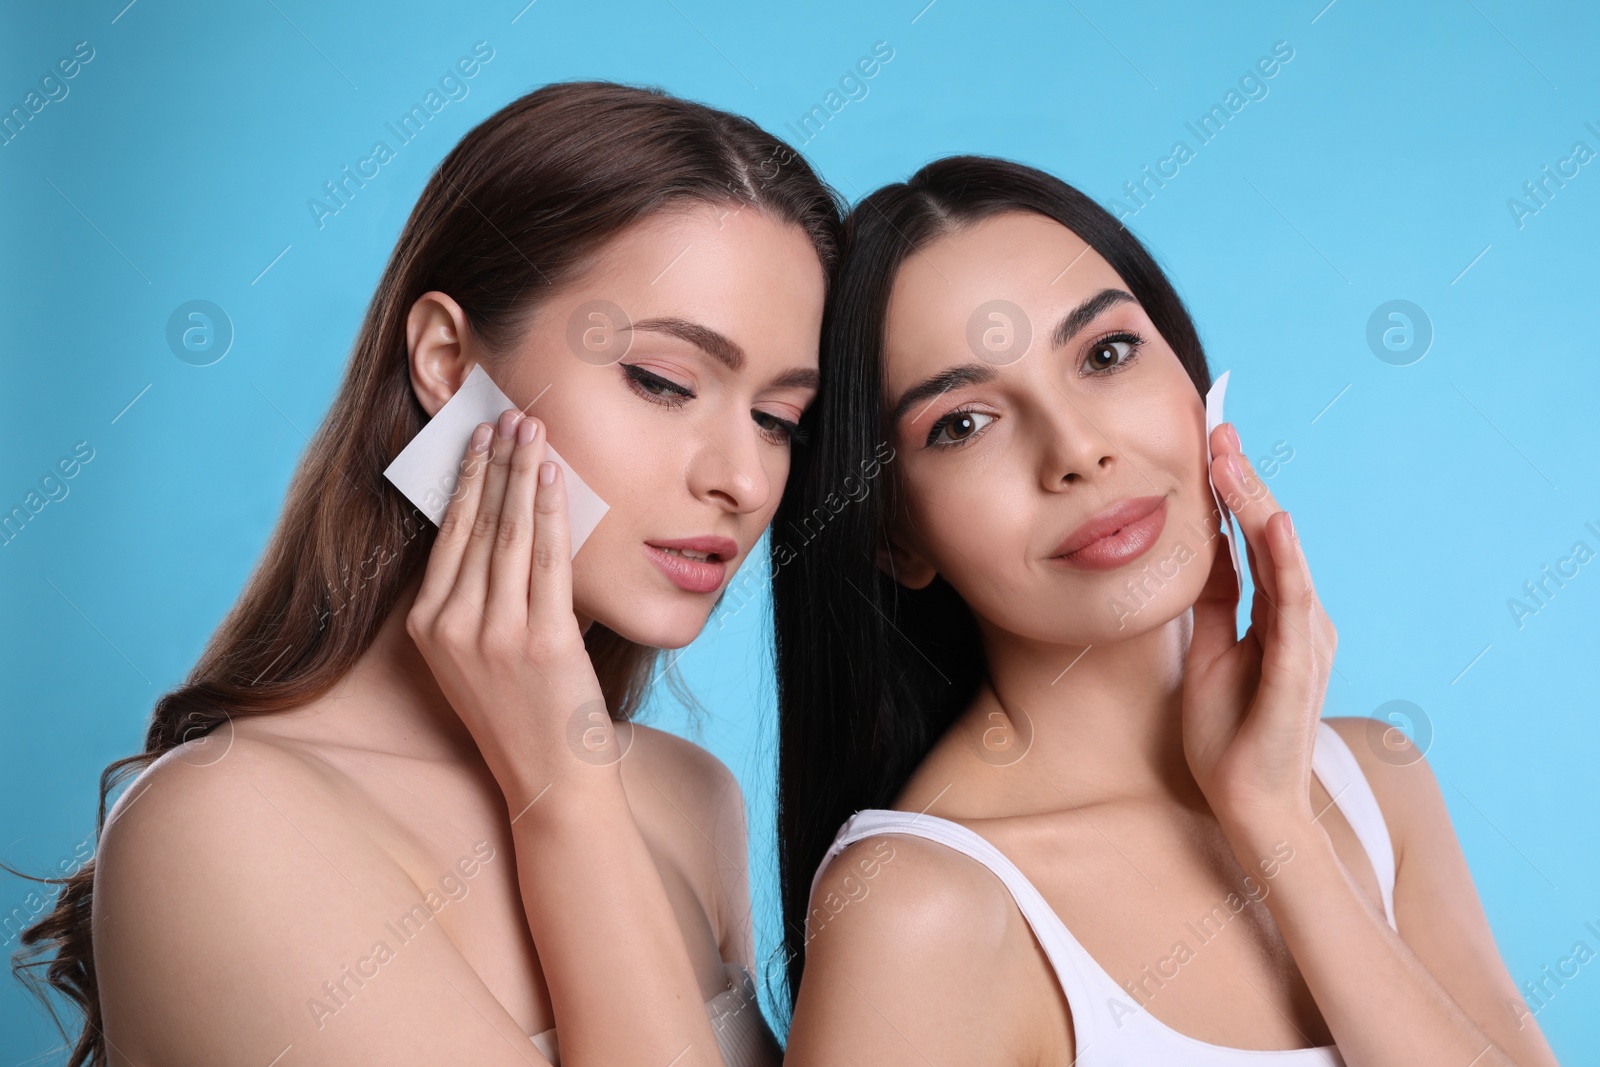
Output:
(1251, 706)
(494, 616)
(1250, 714)
(494, 619)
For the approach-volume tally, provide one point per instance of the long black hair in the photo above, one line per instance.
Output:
(870, 673)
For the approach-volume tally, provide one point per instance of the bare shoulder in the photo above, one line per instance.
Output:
(1401, 779)
(669, 760)
(685, 784)
(240, 905)
(210, 834)
(1437, 909)
(932, 896)
(905, 929)
(692, 804)
(204, 786)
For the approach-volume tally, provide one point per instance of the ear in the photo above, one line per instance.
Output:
(438, 346)
(903, 563)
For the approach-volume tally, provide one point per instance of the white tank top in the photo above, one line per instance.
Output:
(741, 1031)
(1111, 1028)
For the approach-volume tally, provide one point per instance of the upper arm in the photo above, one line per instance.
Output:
(730, 837)
(706, 806)
(239, 913)
(1437, 909)
(905, 951)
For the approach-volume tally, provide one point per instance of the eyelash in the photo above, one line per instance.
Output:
(1133, 340)
(937, 428)
(778, 431)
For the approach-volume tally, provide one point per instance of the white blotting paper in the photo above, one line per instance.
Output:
(426, 469)
(1213, 420)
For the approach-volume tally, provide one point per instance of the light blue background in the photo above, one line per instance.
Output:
(1378, 167)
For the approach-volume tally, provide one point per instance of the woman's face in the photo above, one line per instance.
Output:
(1028, 393)
(667, 376)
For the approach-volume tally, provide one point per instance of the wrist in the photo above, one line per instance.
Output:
(573, 796)
(1263, 833)
(1278, 856)
(1300, 879)
(560, 771)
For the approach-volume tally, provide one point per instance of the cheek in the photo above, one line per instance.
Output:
(1177, 450)
(776, 465)
(1167, 434)
(967, 523)
(1188, 452)
(596, 441)
(603, 444)
(615, 447)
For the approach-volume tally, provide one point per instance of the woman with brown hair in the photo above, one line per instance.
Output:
(387, 819)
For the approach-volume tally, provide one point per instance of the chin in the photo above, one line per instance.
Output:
(1151, 617)
(658, 620)
(1122, 605)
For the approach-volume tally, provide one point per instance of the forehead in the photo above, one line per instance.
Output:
(739, 271)
(1020, 257)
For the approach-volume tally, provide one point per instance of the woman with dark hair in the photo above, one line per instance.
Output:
(388, 818)
(1039, 802)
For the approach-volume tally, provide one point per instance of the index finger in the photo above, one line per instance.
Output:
(1251, 503)
(444, 560)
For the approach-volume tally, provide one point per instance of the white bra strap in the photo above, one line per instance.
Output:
(1336, 767)
(1085, 985)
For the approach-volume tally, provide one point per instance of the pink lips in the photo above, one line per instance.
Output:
(1119, 534)
(694, 576)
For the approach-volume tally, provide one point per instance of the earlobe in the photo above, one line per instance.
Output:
(437, 353)
(903, 565)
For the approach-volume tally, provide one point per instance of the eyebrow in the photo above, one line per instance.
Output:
(798, 378)
(722, 349)
(944, 381)
(704, 338)
(1075, 320)
(1071, 324)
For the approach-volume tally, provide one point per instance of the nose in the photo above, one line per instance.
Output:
(726, 466)
(1074, 445)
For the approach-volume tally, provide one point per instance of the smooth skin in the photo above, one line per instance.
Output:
(243, 871)
(1169, 757)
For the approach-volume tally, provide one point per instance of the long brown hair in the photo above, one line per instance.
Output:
(516, 209)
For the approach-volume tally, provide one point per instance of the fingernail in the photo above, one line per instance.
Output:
(1233, 435)
(480, 436)
(526, 429)
(547, 472)
(1233, 467)
(1288, 524)
(508, 424)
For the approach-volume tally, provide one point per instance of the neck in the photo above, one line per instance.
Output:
(391, 700)
(1107, 718)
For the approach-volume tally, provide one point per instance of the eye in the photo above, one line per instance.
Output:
(779, 431)
(654, 388)
(1111, 354)
(961, 425)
